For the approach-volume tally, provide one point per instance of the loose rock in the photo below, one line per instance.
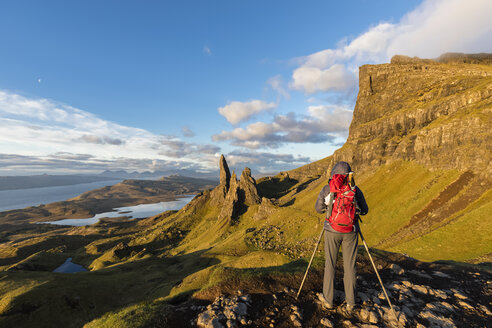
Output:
(326, 322)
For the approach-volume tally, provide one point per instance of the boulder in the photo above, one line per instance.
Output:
(265, 210)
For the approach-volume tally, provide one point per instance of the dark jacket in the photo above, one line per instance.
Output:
(321, 207)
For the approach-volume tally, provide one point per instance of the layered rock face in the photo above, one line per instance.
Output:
(438, 114)
(435, 112)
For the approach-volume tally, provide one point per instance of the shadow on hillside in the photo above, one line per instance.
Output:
(305, 184)
(70, 243)
(486, 266)
(262, 280)
(275, 187)
(71, 300)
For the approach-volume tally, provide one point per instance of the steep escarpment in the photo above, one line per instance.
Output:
(437, 113)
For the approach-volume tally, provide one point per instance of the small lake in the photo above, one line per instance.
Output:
(21, 198)
(133, 212)
(70, 267)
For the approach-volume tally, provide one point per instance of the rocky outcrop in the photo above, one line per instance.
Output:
(225, 174)
(265, 210)
(436, 114)
(225, 312)
(233, 196)
(247, 184)
(219, 193)
(231, 204)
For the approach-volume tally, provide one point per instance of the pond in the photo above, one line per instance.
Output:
(69, 267)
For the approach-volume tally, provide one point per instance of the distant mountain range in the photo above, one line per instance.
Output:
(46, 180)
(122, 174)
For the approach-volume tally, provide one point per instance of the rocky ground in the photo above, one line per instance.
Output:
(422, 294)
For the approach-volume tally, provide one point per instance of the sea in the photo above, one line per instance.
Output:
(21, 198)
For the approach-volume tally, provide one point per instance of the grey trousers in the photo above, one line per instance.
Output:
(349, 242)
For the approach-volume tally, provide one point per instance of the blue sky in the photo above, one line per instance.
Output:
(146, 85)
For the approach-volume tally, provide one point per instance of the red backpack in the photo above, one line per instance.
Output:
(342, 217)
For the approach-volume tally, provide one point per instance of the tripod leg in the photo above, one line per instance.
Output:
(377, 274)
(310, 261)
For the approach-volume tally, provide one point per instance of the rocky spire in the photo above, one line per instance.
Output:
(225, 174)
(231, 202)
(247, 184)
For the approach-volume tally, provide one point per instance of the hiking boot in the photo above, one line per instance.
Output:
(324, 303)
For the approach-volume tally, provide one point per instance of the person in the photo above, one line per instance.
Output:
(333, 240)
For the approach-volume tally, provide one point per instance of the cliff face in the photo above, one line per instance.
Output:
(435, 112)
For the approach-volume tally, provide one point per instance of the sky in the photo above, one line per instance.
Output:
(88, 86)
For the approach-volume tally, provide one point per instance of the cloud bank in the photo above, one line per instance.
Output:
(433, 28)
(44, 136)
(41, 133)
(236, 111)
(324, 123)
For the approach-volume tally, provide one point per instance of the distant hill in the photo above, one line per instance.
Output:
(45, 180)
(126, 193)
(121, 174)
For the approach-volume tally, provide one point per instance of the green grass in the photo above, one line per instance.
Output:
(466, 236)
(134, 316)
(395, 193)
(76, 298)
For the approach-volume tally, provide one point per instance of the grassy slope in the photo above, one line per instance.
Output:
(395, 193)
(466, 235)
(221, 251)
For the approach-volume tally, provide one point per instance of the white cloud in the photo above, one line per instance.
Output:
(236, 111)
(442, 26)
(207, 50)
(331, 118)
(312, 79)
(39, 128)
(176, 148)
(433, 28)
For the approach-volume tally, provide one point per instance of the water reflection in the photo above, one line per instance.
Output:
(69, 267)
(132, 212)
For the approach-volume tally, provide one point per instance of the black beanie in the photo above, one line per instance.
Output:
(340, 168)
